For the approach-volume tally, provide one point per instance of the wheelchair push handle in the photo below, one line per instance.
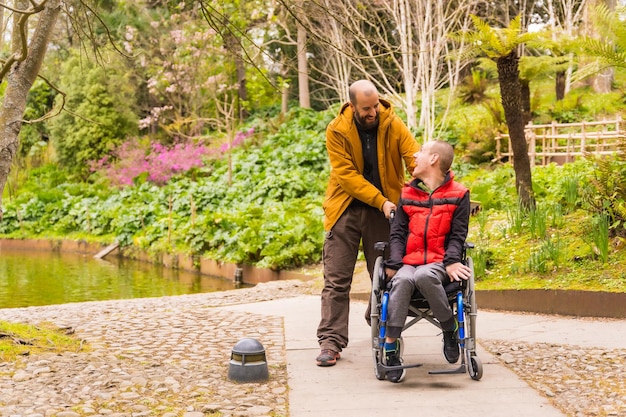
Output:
(381, 246)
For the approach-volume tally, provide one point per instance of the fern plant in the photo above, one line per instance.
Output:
(610, 46)
(606, 194)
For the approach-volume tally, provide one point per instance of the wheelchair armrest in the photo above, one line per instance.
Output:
(380, 246)
(453, 287)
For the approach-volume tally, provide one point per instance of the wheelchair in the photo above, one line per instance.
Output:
(462, 300)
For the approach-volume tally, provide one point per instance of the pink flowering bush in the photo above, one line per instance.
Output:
(156, 162)
(237, 140)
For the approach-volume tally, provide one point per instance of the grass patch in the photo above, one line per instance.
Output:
(18, 339)
(567, 257)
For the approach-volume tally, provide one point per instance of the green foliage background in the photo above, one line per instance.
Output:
(267, 211)
(260, 203)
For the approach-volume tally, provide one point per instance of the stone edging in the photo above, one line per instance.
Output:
(568, 303)
(559, 302)
(250, 274)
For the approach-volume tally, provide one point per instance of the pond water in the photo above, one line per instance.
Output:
(35, 278)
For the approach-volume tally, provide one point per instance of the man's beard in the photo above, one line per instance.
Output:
(364, 124)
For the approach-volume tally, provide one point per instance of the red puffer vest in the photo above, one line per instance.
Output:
(430, 217)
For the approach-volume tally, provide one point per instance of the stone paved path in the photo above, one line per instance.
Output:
(150, 357)
(169, 357)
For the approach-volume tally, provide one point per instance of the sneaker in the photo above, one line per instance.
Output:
(451, 346)
(327, 357)
(394, 358)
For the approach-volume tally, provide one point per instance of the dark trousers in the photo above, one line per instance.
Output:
(341, 247)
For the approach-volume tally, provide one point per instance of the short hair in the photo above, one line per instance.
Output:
(365, 86)
(446, 154)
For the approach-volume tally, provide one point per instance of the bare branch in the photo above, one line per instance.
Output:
(6, 66)
(84, 29)
(50, 114)
(32, 10)
(223, 27)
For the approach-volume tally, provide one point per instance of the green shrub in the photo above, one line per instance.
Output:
(605, 193)
(101, 114)
(493, 189)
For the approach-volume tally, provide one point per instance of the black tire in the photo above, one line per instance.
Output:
(474, 364)
(378, 280)
(471, 313)
(475, 368)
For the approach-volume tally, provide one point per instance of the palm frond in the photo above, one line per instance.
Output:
(608, 53)
(611, 49)
(531, 67)
(609, 24)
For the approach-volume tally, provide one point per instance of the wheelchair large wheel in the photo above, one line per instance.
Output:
(474, 364)
(377, 288)
(472, 311)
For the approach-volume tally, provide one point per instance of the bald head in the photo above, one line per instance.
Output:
(446, 154)
(361, 88)
(365, 104)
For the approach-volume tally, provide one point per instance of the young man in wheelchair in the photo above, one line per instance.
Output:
(426, 249)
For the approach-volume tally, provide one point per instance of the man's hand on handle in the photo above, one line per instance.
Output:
(388, 207)
(389, 274)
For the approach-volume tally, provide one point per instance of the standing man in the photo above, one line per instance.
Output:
(368, 147)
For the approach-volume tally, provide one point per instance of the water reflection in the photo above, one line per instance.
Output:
(36, 278)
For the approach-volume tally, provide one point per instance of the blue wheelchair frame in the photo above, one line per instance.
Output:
(462, 301)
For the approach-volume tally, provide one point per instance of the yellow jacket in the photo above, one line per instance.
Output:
(395, 145)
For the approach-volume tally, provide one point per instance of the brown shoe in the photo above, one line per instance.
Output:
(327, 357)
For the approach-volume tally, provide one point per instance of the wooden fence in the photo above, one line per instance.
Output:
(561, 143)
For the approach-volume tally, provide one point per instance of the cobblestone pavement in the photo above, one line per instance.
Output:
(151, 357)
(581, 382)
(169, 357)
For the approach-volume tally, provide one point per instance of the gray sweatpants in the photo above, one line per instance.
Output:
(429, 280)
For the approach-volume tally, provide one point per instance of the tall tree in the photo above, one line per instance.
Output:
(602, 81)
(236, 22)
(20, 71)
(563, 19)
(103, 112)
(401, 45)
(501, 46)
(303, 68)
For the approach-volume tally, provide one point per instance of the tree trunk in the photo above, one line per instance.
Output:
(525, 100)
(1, 25)
(510, 90)
(19, 82)
(242, 89)
(233, 46)
(602, 83)
(560, 85)
(284, 100)
(303, 69)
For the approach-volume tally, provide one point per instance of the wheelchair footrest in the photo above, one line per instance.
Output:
(386, 368)
(460, 370)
